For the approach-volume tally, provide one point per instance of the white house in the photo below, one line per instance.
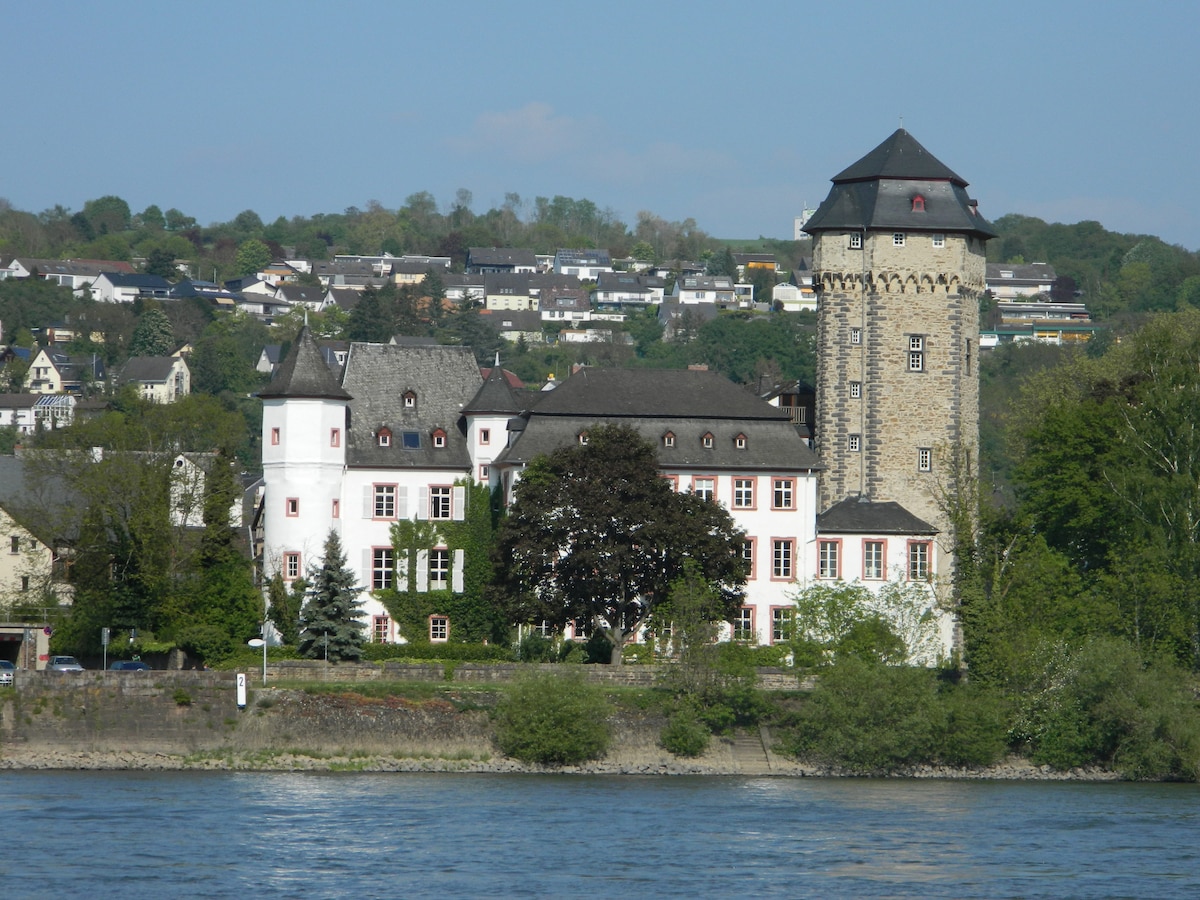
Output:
(586, 265)
(159, 379)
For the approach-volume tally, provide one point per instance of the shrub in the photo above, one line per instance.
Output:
(450, 651)
(552, 718)
(638, 654)
(685, 734)
(535, 648)
(975, 730)
(182, 697)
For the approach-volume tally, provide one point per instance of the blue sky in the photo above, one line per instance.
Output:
(735, 115)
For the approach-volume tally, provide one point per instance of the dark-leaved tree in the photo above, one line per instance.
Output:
(596, 535)
(329, 625)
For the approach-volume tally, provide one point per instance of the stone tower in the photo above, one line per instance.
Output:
(898, 264)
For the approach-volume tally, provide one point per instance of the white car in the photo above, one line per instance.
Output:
(7, 672)
(63, 664)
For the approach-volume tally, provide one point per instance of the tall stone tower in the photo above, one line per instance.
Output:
(898, 264)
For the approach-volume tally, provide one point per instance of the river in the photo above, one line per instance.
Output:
(220, 834)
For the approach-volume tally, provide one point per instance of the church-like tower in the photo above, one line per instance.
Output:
(898, 263)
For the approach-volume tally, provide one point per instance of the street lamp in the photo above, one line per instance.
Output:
(256, 643)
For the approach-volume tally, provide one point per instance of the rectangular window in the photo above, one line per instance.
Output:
(924, 459)
(485, 473)
(440, 502)
(784, 494)
(703, 488)
(293, 506)
(898, 239)
(872, 560)
(856, 241)
(939, 240)
(743, 493)
(916, 353)
(485, 435)
(918, 561)
(24, 582)
(337, 509)
(335, 437)
(15, 544)
(385, 501)
(743, 624)
(855, 390)
(748, 557)
(381, 629)
(411, 440)
(855, 443)
(439, 629)
(783, 553)
(827, 559)
(856, 335)
(782, 619)
(274, 435)
(439, 569)
(291, 566)
(383, 568)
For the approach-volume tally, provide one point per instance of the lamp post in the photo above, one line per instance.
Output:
(260, 642)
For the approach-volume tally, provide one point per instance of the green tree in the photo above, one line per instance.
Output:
(329, 624)
(893, 625)
(252, 256)
(595, 534)
(555, 720)
(107, 215)
(153, 335)
(285, 606)
(161, 261)
(152, 217)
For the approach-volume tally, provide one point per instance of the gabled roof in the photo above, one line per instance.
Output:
(137, 280)
(856, 515)
(149, 368)
(304, 373)
(300, 293)
(567, 257)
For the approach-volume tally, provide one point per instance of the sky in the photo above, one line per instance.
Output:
(734, 115)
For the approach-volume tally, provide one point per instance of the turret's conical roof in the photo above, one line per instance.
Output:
(304, 373)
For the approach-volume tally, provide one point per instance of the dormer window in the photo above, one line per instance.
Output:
(669, 439)
(383, 437)
(918, 203)
(740, 442)
(439, 438)
(707, 440)
(582, 437)
(410, 400)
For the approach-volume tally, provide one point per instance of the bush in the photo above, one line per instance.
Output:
(450, 651)
(685, 734)
(638, 654)
(554, 719)
(536, 649)
(975, 729)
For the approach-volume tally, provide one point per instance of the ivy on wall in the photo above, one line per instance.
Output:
(472, 619)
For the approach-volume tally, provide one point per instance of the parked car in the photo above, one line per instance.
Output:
(63, 664)
(130, 665)
(6, 672)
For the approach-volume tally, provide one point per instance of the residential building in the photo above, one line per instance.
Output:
(510, 260)
(159, 379)
(122, 287)
(586, 265)
(52, 372)
(1013, 281)
(28, 413)
(561, 305)
(616, 290)
(716, 289)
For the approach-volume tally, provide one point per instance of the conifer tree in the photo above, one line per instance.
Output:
(330, 617)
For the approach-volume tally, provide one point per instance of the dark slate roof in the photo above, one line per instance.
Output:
(567, 257)
(500, 256)
(301, 293)
(148, 368)
(496, 395)
(1035, 272)
(877, 193)
(860, 516)
(444, 379)
(503, 320)
(304, 374)
(345, 298)
(137, 280)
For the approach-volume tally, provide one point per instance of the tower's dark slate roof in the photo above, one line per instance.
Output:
(877, 193)
(443, 381)
(304, 374)
(859, 516)
(495, 396)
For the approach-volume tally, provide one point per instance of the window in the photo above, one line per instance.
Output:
(582, 438)
(783, 495)
(707, 440)
(743, 493)
(383, 437)
(748, 556)
(939, 240)
(918, 203)
(24, 582)
(873, 560)
(544, 628)
(924, 459)
(485, 435)
(827, 559)
(337, 509)
(439, 569)
(440, 502)
(335, 437)
(385, 501)
(383, 568)
(918, 561)
(293, 506)
(274, 435)
(855, 443)
(856, 335)
(898, 239)
(583, 629)
(15, 544)
(782, 618)
(411, 440)
(916, 353)
(855, 390)
(439, 439)
(410, 400)
(291, 566)
(703, 488)
(485, 472)
(439, 629)
(743, 624)
(783, 556)
(968, 353)
(381, 629)
(669, 439)
(740, 442)
(856, 241)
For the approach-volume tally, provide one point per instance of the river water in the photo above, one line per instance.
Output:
(217, 834)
